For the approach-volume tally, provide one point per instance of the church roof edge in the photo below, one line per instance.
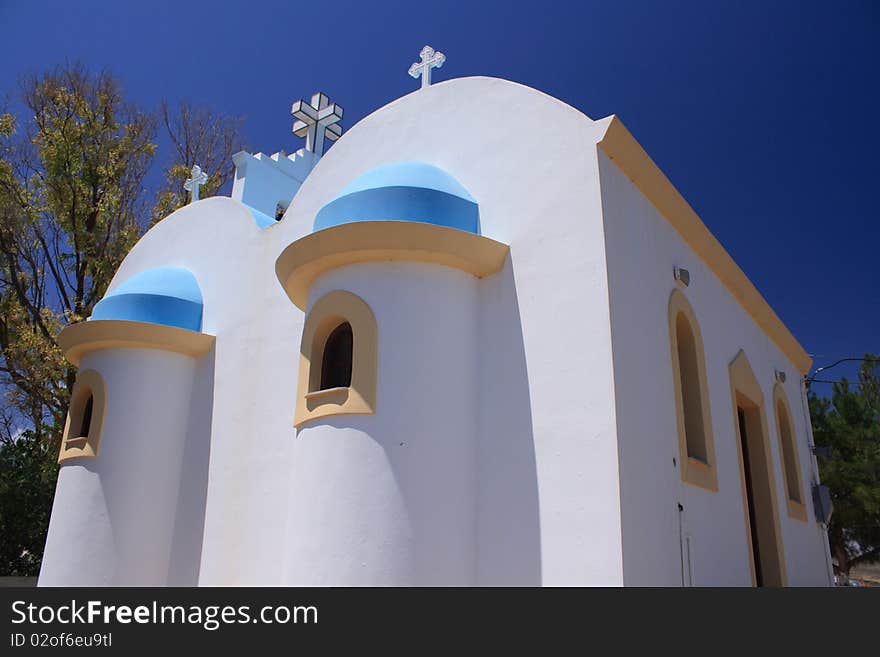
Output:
(625, 151)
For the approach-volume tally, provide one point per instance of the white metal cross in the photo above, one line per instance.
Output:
(197, 179)
(430, 59)
(317, 120)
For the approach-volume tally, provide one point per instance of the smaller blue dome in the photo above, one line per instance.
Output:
(403, 191)
(165, 295)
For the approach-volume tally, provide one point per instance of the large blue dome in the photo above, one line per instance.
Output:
(165, 295)
(403, 191)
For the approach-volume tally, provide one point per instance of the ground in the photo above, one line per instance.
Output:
(866, 574)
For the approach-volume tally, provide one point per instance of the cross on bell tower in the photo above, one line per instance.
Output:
(316, 121)
(197, 179)
(430, 59)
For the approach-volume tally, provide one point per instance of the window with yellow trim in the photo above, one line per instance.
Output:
(338, 359)
(788, 453)
(693, 420)
(85, 418)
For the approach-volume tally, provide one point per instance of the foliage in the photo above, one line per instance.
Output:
(27, 485)
(849, 423)
(70, 203)
(73, 201)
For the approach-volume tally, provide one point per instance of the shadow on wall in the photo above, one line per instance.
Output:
(427, 492)
(508, 525)
(189, 522)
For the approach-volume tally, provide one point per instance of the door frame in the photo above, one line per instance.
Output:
(745, 389)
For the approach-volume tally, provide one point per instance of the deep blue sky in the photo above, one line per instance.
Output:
(763, 114)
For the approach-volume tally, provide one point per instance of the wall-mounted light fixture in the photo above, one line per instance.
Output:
(779, 375)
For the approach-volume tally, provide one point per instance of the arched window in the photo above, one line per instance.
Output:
(696, 450)
(336, 363)
(85, 419)
(338, 359)
(791, 473)
(689, 378)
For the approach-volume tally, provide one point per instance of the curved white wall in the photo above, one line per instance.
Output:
(389, 499)
(114, 515)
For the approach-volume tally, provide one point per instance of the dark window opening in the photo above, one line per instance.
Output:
(789, 455)
(336, 364)
(691, 394)
(86, 425)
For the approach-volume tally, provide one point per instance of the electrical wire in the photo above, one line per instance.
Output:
(838, 362)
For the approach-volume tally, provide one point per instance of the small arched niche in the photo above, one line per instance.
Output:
(85, 418)
(338, 359)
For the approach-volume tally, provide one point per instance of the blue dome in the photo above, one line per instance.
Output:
(165, 295)
(403, 191)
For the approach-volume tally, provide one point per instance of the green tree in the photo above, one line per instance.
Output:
(27, 485)
(849, 423)
(73, 201)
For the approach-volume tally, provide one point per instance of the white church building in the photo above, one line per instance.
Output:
(467, 354)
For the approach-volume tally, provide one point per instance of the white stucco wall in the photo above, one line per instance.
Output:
(552, 445)
(247, 404)
(389, 498)
(642, 251)
(114, 516)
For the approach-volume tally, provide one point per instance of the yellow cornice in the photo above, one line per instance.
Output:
(637, 165)
(77, 340)
(367, 241)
